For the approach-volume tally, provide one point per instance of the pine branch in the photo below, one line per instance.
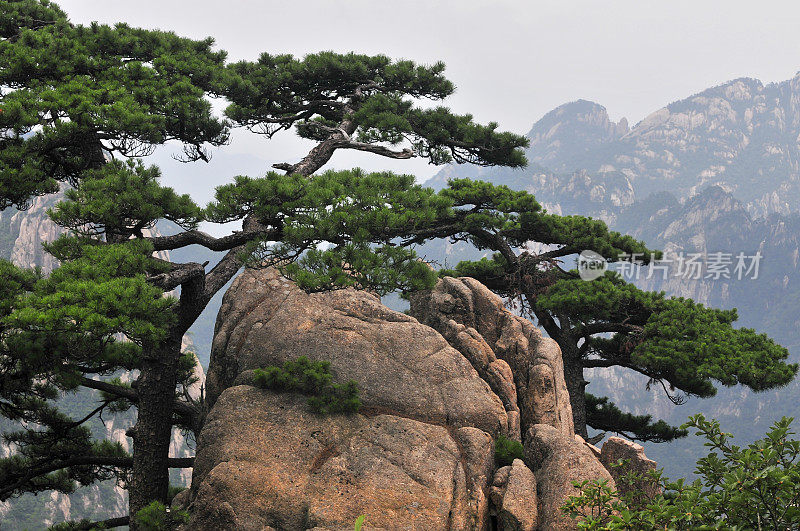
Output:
(181, 408)
(180, 274)
(196, 237)
(7, 491)
(376, 149)
(111, 523)
(223, 272)
(603, 327)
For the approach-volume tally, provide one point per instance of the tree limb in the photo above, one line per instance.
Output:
(606, 327)
(225, 243)
(180, 274)
(84, 460)
(178, 407)
(111, 523)
(376, 149)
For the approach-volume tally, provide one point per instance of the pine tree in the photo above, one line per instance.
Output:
(677, 343)
(83, 104)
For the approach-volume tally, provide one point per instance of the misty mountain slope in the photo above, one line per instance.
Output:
(715, 172)
(742, 135)
(574, 136)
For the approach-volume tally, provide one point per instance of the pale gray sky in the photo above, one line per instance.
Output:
(512, 61)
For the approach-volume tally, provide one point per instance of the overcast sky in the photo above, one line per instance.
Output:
(511, 61)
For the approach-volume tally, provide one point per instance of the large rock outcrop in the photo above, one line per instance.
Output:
(418, 455)
(514, 496)
(617, 449)
(475, 321)
(558, 461)
(436, 392)
(402, 367)
(266, 461)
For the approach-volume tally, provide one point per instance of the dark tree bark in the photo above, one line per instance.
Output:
(576, 385)
(152, 433)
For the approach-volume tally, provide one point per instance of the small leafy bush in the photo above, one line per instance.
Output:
(506, 450)
(311, 378)
(756, 487)
(156, 517)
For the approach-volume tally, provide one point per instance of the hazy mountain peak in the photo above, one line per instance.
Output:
(562, 138)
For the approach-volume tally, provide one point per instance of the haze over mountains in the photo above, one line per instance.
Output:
(715, 172)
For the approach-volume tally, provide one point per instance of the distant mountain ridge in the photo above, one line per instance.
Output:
(741, 135)
(714, 172)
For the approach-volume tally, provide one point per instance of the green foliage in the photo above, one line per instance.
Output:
(122, 199)
(368, 94)
(72, 92)
(66, 325)
(670, 339)
(506, 450)
(101, 293)
(604, 415)
(336, 230)
(517, 218)
(360, 522)
(311, 378)
(157, 517)
(756, 487)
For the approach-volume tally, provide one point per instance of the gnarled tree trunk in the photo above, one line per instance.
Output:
(576, 385)
(153, 430)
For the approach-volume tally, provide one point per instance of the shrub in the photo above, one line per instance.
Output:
(157, 517)
(311, 378)
(756, 487)
(506, 450)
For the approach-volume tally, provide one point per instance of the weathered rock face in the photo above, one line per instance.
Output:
(22, 233)
(513, 493)
(420, 452)
(475, 321)
(557, 461)
(265, 460)
(616, 448)
(402, 367)
(419, 455)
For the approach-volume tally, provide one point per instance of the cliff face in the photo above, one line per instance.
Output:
(24, 231)
(741, 135)
(21, 236)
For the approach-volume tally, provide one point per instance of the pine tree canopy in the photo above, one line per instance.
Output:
(72, 95)
(353, 101)
(672, 339)
(85, 105)
(67, 326)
